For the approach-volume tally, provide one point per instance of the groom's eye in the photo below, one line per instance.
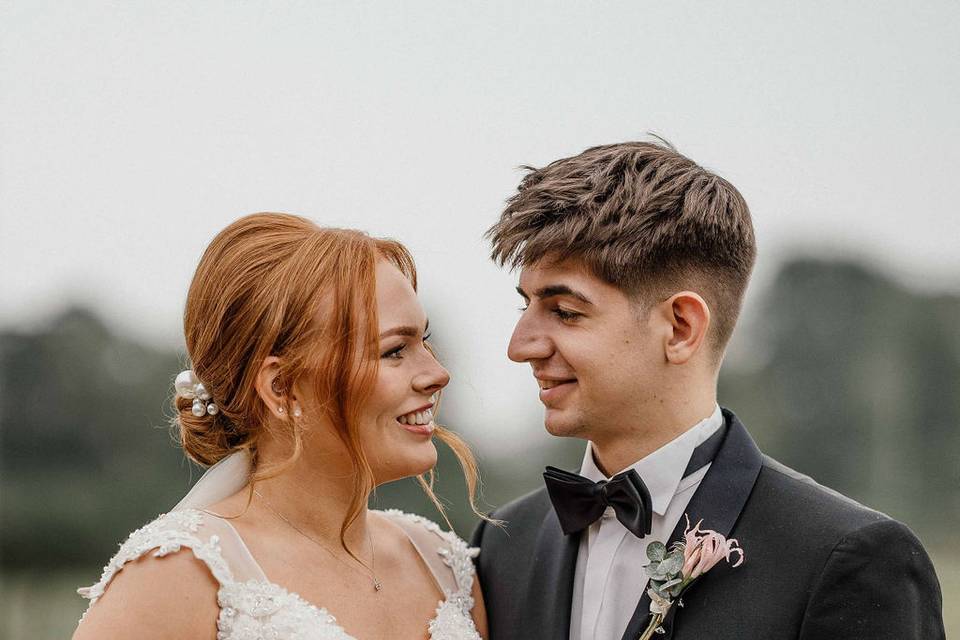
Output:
(566, 315)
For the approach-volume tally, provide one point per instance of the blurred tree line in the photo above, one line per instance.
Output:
(851, 378)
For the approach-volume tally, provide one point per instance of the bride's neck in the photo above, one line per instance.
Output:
(314, 495)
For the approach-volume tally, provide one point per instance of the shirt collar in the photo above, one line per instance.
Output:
(663, 469)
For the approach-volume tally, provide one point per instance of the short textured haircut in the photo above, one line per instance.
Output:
(641, 217)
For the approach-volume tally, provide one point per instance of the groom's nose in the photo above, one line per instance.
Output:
(528, 342)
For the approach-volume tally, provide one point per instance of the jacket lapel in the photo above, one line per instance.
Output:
(550, 592)
(718, 501)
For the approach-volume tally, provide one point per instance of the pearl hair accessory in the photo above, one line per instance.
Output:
(188, 386)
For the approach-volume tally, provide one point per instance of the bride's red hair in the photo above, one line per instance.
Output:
(278, 284)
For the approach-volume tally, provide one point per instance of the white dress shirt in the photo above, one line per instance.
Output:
(609, 579)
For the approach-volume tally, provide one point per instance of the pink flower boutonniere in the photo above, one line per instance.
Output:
(672, 570)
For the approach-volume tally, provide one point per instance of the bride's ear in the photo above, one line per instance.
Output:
(271, 388)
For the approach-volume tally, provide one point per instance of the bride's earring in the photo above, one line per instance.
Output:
(296, 410)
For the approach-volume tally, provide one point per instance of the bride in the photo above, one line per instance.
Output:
(312, 383)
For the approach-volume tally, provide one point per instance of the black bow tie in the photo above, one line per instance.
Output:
(579, 502)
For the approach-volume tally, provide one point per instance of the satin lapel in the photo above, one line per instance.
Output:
(719, 499)
(551, 585)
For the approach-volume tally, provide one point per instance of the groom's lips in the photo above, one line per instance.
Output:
(555, 389)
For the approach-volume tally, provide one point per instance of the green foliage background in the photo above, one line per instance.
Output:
(850, 378)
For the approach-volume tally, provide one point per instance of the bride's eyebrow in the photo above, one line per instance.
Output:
(408, 331)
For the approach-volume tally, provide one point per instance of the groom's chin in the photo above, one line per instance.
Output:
(561, 424)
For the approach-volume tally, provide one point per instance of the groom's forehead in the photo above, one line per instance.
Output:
(542, 274)
(554, 266)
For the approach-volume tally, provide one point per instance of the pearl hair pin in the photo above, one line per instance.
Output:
(187, 385)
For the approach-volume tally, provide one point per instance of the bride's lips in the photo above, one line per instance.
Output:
(553, 390)
(419, 429)
(425, 413)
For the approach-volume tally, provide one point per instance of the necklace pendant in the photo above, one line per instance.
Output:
(377, 586)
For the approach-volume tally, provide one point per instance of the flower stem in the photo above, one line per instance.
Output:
(654, 623)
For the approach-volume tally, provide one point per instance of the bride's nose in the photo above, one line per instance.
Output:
(433, 378)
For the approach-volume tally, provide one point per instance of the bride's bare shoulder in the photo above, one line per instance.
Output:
(174, 596)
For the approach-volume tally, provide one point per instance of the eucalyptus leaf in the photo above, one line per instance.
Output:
(672, 564)
(658, 577)
(670, 583)
(656, 551)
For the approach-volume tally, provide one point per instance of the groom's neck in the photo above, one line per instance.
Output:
(616, 447)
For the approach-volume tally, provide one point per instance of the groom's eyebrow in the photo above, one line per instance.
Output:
(556, 290)
(406, 331)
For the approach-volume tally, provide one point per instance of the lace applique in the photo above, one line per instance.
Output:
(255, 610)
(459, 557)
(167, 534)
(454, 616)
(454, 620)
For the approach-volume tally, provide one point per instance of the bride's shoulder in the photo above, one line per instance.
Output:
(168, 561)
(450, 559)
(453, 550)
(167, 534)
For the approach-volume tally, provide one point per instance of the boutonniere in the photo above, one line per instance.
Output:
(672, 570)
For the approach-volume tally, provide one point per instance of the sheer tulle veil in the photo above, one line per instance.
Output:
(220, 481)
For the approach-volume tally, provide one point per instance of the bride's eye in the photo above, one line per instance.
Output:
(394, 353)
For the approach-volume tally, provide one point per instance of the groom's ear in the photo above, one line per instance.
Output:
(689, 318)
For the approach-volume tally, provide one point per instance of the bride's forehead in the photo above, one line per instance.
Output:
(392, 286)
(397, 302)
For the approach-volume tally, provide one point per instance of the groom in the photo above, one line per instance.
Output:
(634, 261)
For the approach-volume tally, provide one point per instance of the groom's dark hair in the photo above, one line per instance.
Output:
(641, 217)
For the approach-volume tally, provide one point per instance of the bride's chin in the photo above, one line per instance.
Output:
(409, 462)
(424, 460)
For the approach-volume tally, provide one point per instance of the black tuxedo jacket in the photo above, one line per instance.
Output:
(817, 564)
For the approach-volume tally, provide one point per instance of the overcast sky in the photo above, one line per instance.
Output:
(130, 133)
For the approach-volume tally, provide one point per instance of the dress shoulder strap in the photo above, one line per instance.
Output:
(166, 534)
(449, 558)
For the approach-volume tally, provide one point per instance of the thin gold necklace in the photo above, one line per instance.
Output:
(377, 585)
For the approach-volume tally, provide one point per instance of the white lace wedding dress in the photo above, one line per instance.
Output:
(253, 608)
